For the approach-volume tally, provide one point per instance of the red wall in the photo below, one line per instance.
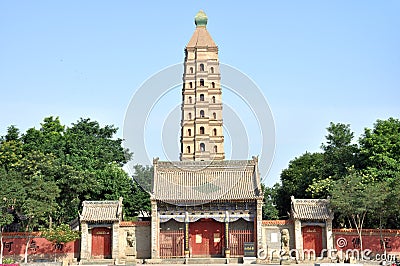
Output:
(345, 239)
(15, 243)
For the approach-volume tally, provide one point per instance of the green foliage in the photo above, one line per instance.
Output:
(144, 176)
(11, 195)
(270, 212)
(60, 234)
(8, 261)
(297, 178)
(362, 179)
(57, 167)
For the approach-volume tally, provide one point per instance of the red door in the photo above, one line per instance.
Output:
(206, 238)
(312, 239)
(101, 243)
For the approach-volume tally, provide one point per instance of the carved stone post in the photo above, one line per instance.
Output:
(258, 229)
(85, 254)
(329, 237)
(155, 231)
(187, 250)
(227, 249)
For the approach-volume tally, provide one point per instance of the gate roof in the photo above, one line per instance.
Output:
(101, 211)
(311, 209)
(200, 181)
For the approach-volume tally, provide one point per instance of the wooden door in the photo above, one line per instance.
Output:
(312, 239)
(101, 243)
(206, 238)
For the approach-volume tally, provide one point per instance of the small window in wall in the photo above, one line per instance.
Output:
(214, 115)
(201, 82)
(213, 84)
(189, 116)
(190, 85)
(213, 99)
(215, 149)
(212, 70)
(201, 67)
(201, 113)
(201, 130)
(190, 99)
(202, 97)
(191, 70)
(214, 132)
(188, 149)
(189, 132)
(202, 147)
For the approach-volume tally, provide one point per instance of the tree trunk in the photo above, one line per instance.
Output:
(2, 246)
(381, 234)
(26, 250)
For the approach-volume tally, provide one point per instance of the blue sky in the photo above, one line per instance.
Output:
(315, 61)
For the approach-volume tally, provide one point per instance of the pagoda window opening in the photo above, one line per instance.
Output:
(213, 99)
(190, 99)
(214, 132)
(212, 70)
(213, 84)
(201, 82)
(189, 116)
(202, 97)
(201, 67)
(214, 115)
(191, 70)
(202, 147)
(201, 130)
(215, 149)
(190, 85)
(188, 149)
(202, 113)
(189, 132)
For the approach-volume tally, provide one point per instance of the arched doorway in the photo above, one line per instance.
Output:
(101, 243)
(206, 238)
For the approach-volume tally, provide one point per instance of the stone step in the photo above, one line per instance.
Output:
(98, 262)
(214, 261)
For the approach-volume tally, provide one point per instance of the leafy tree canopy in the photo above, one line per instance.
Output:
(58, 167)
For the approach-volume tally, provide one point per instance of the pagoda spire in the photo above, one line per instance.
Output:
(202, 136)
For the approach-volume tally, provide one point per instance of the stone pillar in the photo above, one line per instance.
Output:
(227, 249)
(298, 238)
(259, 242)
(329, 236)
(155, 230)
(85, 254)
(187, 250)
(115, 240)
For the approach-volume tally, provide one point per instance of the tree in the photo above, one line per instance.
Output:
(144, 176)
(142, 182)
(39, 204)
(60, 235)
(10, 148)
(86, 163)
(354, 198)
(11, 194)
(296, 179)
(339, 151)
(380, 149)
(270, 212)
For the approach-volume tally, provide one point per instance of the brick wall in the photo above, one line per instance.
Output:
(372, 239)
(39, 248)
(271, 236)
(142, 235)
